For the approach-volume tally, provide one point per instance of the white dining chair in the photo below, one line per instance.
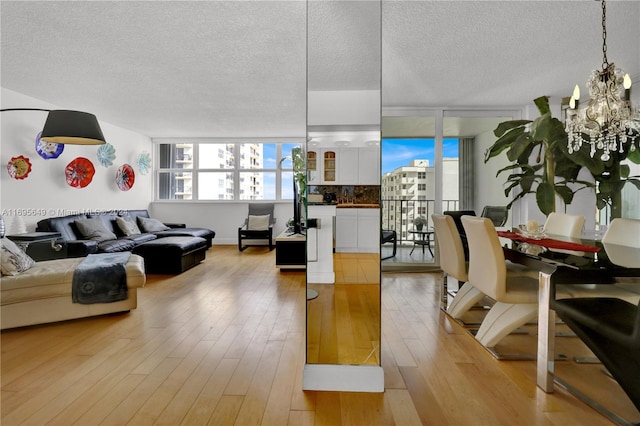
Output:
(620, 234)
(453, 264)
(516, 295)
(564, 224)
(623, 233)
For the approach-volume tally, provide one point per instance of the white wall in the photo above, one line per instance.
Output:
(222, 217)
(487, 187)
(343, 107)
(45, 192)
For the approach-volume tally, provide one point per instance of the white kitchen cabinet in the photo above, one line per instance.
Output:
(322, 166)
(358, 230)
(368, 230)
(329, 166)
(313, 176)
(346, 230)
(369, 166)
(348, 174)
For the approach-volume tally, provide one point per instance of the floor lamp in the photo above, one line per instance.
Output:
(68, 127)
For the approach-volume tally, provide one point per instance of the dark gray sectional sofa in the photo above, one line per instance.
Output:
(167, 248)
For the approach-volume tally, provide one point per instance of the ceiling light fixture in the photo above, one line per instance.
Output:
(609, 122)
(68, 127)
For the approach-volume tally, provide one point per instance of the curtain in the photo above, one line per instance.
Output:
(466, 173)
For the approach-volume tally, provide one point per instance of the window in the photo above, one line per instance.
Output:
(211, 170)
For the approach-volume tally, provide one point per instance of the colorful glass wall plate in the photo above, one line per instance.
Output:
(106, 154)
(48, 150)
(144, 162)
(79, 172)
(19, 167)
(125, 177)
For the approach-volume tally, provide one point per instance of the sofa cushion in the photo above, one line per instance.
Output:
(128, 226)
(148, 224)
(141, 238)
(258, 223)
(207, 234)
(14, 260)
(94, 229)
(112, 246)
(65, 225)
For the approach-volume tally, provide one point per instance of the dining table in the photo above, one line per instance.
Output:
(563, 260)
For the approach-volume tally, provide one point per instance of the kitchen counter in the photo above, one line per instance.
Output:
(357, 206)
(322, 203)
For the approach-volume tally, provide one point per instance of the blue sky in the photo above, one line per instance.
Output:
(398, 152)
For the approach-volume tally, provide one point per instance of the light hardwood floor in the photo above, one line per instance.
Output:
(224, 344)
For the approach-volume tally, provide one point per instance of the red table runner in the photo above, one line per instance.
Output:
(549, 242)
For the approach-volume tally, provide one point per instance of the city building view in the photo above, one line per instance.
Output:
(225, 171)
(408, 182)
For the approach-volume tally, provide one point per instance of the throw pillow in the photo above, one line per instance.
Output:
(127, 226)
(94, 229)
(14, 260)
(148, 224)
(258, 223)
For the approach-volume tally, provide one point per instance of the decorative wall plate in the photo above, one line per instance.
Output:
(106, 155)
(144, 162)
(19, 167)
(79, 172)
(125, 177)
(48, 150)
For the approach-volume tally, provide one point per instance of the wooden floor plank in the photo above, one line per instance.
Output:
(225, 343)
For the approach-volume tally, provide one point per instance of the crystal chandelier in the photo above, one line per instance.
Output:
(609, 122)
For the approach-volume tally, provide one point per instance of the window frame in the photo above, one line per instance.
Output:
(236, 170)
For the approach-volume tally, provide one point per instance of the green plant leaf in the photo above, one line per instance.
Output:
(624, 171)
(508, 125)
(634, 156)
(545, 197)
(543, 104)
(565, 193)
(503, 143)
(520, 145)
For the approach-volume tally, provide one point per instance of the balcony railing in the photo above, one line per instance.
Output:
(398, 214)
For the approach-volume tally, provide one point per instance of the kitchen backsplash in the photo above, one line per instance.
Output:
(350, 194)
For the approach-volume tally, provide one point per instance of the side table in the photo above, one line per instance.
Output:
(291, 250)
(23, 240)
(423, 241)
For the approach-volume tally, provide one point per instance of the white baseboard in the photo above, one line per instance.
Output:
(343, 378)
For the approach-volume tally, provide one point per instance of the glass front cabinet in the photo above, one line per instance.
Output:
(321, 166)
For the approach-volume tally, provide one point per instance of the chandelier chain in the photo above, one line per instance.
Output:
(605, 62)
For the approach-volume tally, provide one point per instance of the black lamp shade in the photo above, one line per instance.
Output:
(72, 127)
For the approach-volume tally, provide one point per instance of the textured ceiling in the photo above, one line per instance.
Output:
(238, 68)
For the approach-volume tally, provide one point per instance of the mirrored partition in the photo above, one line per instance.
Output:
(343, 198)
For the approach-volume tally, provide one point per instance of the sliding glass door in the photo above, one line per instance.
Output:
(433, 161)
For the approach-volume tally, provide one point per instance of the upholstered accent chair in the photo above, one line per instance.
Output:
(452, 262)
(456, 215)
(258, 225)
(497, 214)
(389, 236)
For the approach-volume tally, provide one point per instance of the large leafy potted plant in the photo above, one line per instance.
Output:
(610, 175)
(552, 170)
(298, 161)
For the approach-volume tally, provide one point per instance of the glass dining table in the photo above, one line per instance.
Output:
(564, 260)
